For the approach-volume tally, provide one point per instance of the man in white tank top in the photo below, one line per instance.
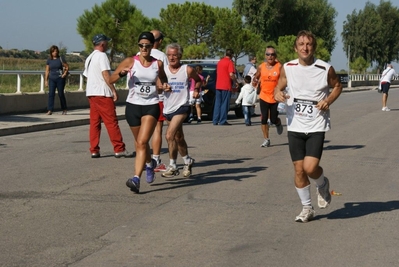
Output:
(177, 107)
(304, 85)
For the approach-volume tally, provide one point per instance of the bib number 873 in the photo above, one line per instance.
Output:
(304, 108)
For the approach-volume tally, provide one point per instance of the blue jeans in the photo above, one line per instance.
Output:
(58, 83)
(247, 114)
(221, 107)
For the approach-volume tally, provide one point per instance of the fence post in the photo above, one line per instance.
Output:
(19, 84)
(41, 84)
(80, 82)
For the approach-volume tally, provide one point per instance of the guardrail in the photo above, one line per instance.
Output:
(41, 73)
(343, 77)
(19, 74)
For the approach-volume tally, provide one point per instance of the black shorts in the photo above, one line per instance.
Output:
(265, 107)
(385, 87)
(182, 110)
(302, 144)
(134, 113)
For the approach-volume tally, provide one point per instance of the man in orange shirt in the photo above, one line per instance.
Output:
(225, 75)
(268, 74)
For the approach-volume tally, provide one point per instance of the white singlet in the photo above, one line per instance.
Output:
(179, 94)
(142, 83)
(307, 85)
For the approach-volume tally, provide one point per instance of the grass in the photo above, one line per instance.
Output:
(31, 83)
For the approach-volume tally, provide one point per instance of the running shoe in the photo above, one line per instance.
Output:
(198, 120)
(160, 167)
(170, 172)
(187, 168)
(306, 214)
(134, 184)
(124, 154)
(190, 119)
(150, 171)
(386, 109)
(265, 143)
(279, 129)
(324, 195)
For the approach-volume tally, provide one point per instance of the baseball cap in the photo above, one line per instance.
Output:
(148, 36)
(99, 38)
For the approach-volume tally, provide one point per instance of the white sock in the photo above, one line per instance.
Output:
(304, 195)
(172, 162)
(149, 164)
(319, 181)
(186, 159)
(157, 158)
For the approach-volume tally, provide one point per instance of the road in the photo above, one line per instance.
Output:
(59, 207)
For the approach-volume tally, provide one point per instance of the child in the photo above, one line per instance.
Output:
(196, 102)
(248, 97)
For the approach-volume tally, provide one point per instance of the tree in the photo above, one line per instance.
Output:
(360, 65)
(206, 31)
(373, 34)
(274, 18)
(190, 23)
(117, 19)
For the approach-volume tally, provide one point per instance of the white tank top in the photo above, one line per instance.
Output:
(142, 83)
(180, 90)
(307, 85)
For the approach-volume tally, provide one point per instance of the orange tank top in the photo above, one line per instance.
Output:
(268, 80)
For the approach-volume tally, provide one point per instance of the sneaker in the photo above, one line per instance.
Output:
(386, 109)
(199, 121)
(124, 153)
(170, 172)
(134, 184)
(265, 143)
(279, 129)
(95, 155)
(160, 167)
(306, 214)
(324, 195)
(187, 168)
(190, 119)
(150, 171)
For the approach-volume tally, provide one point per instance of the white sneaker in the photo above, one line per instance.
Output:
(187, 168)
(386, 109)
(306, 214)
(265, 143)
(324, 195)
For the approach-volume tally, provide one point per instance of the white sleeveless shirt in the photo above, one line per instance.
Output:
(180, 90)
(306, 86)
(142, 83)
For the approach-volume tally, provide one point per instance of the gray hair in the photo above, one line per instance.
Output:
(176, 46)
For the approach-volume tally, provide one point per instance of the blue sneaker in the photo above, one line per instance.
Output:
(134, 184)
(150, 171)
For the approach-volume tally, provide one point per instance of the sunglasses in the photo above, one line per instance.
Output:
(270, 54)
(145, 45)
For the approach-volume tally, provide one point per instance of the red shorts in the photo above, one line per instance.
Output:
(161, 116)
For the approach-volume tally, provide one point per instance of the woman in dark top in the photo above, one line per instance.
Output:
(56, 72)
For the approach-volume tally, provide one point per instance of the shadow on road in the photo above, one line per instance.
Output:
(359, 209)
(343, 147)
(219, 175)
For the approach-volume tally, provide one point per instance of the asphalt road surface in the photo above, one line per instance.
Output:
(59, 207)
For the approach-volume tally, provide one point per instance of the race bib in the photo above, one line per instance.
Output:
(305, 109)
(145, 89)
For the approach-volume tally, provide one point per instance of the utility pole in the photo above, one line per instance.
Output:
(349, 68)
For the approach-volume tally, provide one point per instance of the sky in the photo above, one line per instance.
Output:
(36, 25)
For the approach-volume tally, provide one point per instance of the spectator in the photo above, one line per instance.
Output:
(102, 95)
(385, 81)
(248, 98)
(55, 77)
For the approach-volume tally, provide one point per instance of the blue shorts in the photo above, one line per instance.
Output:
(182, 110)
